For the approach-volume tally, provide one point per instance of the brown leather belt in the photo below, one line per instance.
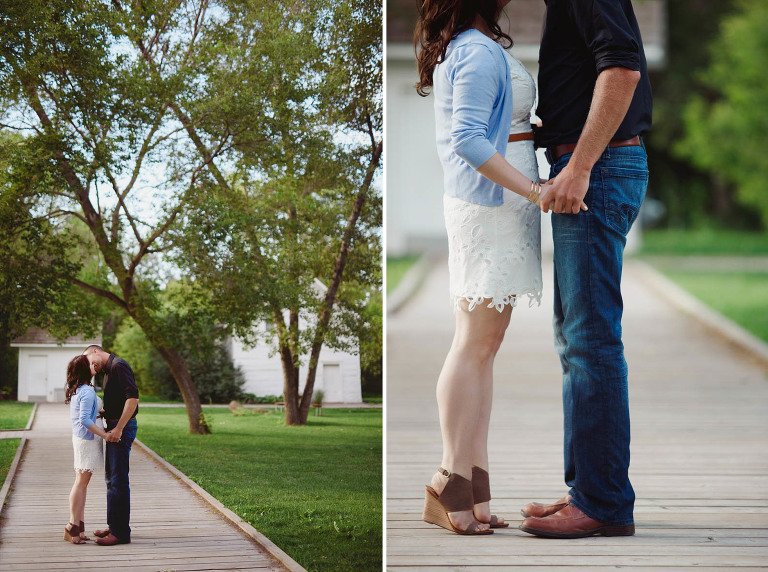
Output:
(559, 150)
(513, 137)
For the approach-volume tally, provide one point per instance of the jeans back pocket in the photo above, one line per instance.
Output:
(624, 190)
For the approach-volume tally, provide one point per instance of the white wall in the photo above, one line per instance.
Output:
(264, 374)
(43, 371)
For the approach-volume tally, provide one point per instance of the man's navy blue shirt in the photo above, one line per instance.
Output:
(582, 38)
(119, 385)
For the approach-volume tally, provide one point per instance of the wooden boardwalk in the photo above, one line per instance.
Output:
(172, 528)
(699, 441)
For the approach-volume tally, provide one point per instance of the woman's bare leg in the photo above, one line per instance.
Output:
(77, 497)
(480, 448)
(464, 393)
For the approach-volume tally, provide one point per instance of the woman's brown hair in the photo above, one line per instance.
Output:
(78, 373)
(440, 21)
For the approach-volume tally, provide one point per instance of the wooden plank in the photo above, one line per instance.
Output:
(172, 528)
(699, 442)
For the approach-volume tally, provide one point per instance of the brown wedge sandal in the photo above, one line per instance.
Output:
(481, 491)
(456, 496)
(82, 531)
(72, 534)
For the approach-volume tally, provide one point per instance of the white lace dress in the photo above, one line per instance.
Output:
(494, 253)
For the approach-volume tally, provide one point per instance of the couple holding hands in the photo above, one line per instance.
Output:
(121, 403)
(594, 104)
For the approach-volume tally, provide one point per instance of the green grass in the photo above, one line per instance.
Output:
(375, 399)
(143, 397)
(709, 242)
(396, 269)
(315, 491)
(742, 297)
(7, 453)
(739, 295)
(14, 415)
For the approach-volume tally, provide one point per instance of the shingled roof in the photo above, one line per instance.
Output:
(35, 336)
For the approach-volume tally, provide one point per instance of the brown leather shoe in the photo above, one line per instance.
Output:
(540, 510)
(101, 533)
(111, 540)
(570, 522)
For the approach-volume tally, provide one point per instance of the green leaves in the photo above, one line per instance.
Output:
(728, 133)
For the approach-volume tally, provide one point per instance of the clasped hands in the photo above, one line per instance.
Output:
(114, 435)
(565, 192)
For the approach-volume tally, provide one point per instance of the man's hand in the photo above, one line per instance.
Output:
(114, 435)
(565, 193)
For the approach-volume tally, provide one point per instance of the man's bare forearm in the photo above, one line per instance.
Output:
(612, 97)
(128, 409)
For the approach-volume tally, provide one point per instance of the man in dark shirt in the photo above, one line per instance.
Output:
(595, 102)
(121, 404)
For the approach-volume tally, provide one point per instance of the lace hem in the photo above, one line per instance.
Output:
(83, 470)
(498, 302)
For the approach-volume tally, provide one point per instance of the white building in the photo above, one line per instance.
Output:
(414, 179)
(338, 373)
(43, 364)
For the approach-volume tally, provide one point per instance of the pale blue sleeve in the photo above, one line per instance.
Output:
(87, 407)
(475, 81)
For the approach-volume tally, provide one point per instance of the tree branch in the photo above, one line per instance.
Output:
(111, 296)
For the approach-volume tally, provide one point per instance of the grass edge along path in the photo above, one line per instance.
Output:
(741, 297)
(14, 415)
(315, 491)
(8, 448)
(397, 267)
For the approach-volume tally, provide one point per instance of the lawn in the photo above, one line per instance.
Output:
(315, 491)
(705, 242)
(7, 453)
(396, 269)
(742, 297)
(739, 295)
(14, 415)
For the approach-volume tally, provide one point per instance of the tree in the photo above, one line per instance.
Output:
(691, 196)
(727, 133)
(371, 341)
(216, 377)
(27, 245)
(288, 246)
(136, 117)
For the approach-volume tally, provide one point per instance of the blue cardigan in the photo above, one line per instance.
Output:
(473, 114)
(83, 411)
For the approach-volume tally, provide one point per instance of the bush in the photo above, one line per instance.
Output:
(216, 377)
(212, 369)
(250, 398)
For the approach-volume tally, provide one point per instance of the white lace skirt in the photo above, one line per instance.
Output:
(494, 253)
(89, 453)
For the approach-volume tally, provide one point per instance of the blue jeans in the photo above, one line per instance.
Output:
(116, 475)
(588, 258)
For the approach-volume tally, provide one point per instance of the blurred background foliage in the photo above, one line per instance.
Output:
(711, 117)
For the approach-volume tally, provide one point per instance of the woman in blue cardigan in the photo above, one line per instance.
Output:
(84, 407)
(483, 101)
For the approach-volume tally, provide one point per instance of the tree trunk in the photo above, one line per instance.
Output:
(330, 296)
(293, 414)
(197, 424)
